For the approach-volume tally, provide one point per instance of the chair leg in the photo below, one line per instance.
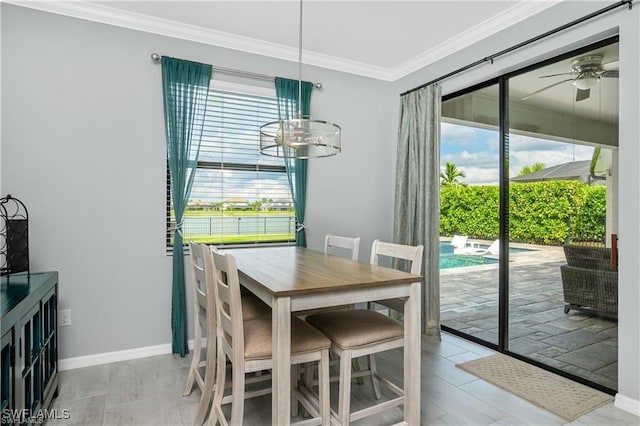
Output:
(195, 360)
(355, 366)
(308, 382)
(344, 392)
(216, 416)
(237, 389)
(323, 388)
(374, 382)
(308, 375)
(295, 379)
(209, 382)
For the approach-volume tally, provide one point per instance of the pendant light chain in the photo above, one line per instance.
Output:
(300, 64)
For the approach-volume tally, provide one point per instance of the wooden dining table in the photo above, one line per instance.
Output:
(292, 279)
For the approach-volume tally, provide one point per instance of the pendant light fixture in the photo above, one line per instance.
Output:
(300, 137)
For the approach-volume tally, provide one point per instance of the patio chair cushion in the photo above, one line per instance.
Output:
(588, 257)
(588, 281)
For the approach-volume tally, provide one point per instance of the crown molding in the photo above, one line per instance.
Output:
(513, 15)
(136, 21)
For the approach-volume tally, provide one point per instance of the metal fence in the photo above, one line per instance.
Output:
(238, 225)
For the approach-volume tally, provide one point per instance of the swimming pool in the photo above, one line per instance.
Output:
(449, 260)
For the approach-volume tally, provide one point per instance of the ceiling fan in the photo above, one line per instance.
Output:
(586, 72)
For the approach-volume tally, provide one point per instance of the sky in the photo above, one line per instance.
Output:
(231, 137)
(475, 151)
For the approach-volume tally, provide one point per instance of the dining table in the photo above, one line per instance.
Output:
(292, 279)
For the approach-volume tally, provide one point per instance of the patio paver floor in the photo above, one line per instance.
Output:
(580, 344)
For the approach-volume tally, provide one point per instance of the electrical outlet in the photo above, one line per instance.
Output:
(64, 317)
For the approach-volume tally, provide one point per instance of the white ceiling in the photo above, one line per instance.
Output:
(380, 39)
(602, 103)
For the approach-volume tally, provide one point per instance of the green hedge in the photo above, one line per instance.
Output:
(539, 212)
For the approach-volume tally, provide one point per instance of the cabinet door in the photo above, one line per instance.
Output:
(29, 328)
(49, 348)
(6, 374)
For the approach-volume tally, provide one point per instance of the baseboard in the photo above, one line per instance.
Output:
(627, 404)
(117, 356)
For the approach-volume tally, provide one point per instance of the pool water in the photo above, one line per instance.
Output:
(460, 260)
(449, 260)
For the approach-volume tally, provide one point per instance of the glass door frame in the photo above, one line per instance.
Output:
(503, 181)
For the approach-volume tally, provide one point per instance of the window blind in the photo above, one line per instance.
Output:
(239, 196)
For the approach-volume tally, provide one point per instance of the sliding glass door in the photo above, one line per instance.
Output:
(563, 139)
(469, 213)
(529, 176)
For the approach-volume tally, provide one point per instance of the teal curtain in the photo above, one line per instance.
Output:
(185, 86)
(287, 95)
(417, 208)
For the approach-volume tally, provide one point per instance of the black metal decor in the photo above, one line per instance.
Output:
(14, 236)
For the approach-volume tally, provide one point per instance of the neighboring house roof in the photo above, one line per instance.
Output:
(574, 170)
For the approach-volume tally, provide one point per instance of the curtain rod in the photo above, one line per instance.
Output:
(230, 71)
(525, 43)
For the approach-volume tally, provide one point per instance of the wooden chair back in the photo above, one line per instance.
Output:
(204, 309)
(347, 243)
(202, 283)
(411, 254)
(228, 304)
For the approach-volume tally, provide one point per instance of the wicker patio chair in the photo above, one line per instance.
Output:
(588, 282)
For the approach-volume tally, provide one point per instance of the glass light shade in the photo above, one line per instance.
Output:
(586, 82)
(300, 138)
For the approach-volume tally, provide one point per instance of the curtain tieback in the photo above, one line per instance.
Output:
(179, 228)
(300, 227)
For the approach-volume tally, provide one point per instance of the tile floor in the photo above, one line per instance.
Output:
(148, 392)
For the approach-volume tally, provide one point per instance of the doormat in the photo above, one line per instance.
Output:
(557, 394)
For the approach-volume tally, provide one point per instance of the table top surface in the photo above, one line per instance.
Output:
(291, 271)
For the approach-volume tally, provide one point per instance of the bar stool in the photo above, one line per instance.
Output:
(247, 344)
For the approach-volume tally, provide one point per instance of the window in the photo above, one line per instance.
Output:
(239, 196)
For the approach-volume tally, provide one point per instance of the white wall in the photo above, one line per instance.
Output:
(83, 146)
(626, 23)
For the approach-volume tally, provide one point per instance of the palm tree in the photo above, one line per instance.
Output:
(451, 174)
(531, 169)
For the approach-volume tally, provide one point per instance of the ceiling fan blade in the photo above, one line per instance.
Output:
(555, 75)
(581, 95)
(610, 74)
(524, 98)
(613, 65)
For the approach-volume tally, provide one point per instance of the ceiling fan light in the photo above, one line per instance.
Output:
(586, 83)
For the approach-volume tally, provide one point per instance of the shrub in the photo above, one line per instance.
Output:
(589, 225)
(539, 212)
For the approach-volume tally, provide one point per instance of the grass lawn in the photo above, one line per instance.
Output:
(238, 239)
(237, 213)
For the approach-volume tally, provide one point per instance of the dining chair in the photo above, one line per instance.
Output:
(204, 325)
(365, 332)
(350, 244)
(248, 346)
(411, 255)
(344, 244)
(203, 293)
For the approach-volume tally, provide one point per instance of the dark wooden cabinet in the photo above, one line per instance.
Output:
(29, 371)
(6, 378)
